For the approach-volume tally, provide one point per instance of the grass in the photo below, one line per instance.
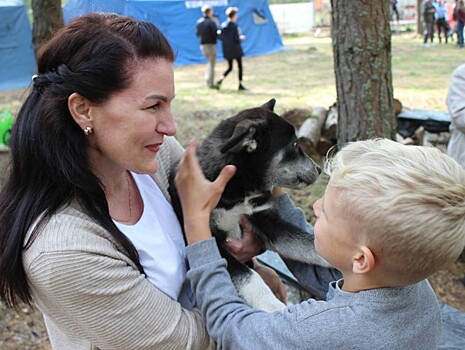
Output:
(303, 76)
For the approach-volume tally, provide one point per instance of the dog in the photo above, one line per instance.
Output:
(265, 149)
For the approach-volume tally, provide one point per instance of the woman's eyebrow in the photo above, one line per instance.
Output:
(156, 97)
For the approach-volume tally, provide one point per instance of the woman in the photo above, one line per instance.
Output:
(85, 232)
(232, 50)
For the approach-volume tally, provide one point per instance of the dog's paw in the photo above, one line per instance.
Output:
(258, 295)
(271, 305)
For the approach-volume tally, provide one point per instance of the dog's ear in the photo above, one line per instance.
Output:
(243, 137)
(269, 105)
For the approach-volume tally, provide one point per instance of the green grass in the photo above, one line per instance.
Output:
(303, 76)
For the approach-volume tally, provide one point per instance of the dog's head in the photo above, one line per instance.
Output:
(265, 149)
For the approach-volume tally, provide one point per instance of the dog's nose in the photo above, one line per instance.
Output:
(318, 169)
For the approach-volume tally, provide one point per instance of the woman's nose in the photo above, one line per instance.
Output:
(167, 125)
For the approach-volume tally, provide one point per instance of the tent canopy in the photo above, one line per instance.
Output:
(177, 20)
(17, 61)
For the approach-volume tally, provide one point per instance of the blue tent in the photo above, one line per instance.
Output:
(177, 20)
(17, 61)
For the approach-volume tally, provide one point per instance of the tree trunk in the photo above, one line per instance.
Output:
(47, 18)
(420, 17)
(362, 62)
(329, 131)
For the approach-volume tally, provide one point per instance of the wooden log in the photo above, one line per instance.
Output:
(329, 131)
(310, 131)
(397, 106)
(297, 116)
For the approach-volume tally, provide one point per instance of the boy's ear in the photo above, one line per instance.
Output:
(79, 109)
(364, 261)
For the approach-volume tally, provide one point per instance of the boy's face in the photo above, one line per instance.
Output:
(333, 239)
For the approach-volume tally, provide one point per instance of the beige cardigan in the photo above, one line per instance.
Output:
(91, 294)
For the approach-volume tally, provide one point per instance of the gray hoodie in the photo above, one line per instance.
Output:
(386, 318)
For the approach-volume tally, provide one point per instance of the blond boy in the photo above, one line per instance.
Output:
(391, 216)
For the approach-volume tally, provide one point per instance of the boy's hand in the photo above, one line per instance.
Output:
(198, 195)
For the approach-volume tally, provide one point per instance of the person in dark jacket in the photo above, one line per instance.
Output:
(207, 33)
(428, 18)
(232, 50)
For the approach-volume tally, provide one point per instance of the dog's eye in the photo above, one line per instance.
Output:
(296, 144)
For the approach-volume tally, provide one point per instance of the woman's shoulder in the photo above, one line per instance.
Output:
(170, 153)
(70, 229)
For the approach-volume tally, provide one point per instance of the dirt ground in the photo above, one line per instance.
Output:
(26, 330)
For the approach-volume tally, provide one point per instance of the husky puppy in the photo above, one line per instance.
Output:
(264, 148)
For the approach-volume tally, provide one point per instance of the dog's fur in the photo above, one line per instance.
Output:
(265, 150)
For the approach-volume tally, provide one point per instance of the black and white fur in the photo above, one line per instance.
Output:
(265, 150)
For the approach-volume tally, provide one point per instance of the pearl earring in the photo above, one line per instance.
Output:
(88, 130)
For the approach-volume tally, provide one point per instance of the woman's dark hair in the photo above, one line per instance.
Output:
(49, 166)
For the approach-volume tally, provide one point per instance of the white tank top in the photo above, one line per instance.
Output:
(158, 238)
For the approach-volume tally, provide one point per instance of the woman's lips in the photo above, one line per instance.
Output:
(154, 147)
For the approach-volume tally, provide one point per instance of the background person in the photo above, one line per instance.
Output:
(455, 101)
(451, 20)
(206, 31)
(87, 231)
(460, 15)
(456, 105)
(428, 20)
(231, 38)
(394, 10)
(442, 20)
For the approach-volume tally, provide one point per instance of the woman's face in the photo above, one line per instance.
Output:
(128, 128)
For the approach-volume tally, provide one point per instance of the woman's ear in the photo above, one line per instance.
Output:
(364, 261)
(79, 108)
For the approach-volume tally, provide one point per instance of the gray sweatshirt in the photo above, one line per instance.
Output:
(385, 318)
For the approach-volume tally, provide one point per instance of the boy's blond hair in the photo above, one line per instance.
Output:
(406, 203)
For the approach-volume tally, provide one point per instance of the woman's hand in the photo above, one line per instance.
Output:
(277, 192)
(248, 246)
(198, 195)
